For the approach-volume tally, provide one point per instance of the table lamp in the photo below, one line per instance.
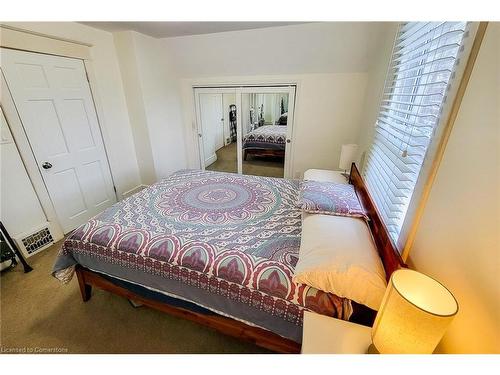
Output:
(413, 316)
(348, 155)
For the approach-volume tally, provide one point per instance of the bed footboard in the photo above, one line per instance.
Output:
(228, 326)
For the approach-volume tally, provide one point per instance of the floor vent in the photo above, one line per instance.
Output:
(37, 241)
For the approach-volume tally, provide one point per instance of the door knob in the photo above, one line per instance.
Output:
(46, 165)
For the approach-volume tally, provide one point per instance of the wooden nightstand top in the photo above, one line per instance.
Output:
(325, 335)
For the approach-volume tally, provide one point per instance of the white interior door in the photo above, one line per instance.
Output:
(212, 125)
(53, 99)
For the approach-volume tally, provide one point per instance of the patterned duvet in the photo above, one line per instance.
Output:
(268, 137)
(224, 241)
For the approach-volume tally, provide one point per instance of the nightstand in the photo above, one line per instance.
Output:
(325, 335)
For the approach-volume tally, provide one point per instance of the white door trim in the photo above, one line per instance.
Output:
(89, 69)
(32, 42)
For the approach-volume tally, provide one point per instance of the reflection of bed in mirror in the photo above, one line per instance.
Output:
(266, 140)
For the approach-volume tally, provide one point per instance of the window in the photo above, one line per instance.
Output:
(422, 66)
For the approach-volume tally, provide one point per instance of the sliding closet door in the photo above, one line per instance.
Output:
(266, 130)
(246, 129)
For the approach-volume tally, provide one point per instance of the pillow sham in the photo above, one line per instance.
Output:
(330, 198)
(337, 255)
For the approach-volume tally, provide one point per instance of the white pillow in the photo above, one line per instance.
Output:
(325, 175)
(337, 255)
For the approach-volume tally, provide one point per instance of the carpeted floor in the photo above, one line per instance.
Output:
(37, 311)
(256, 166)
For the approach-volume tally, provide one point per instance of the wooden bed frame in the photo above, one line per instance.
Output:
(261, 337)
(263, 152)
(389, 253)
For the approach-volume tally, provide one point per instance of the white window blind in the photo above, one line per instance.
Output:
(422, 65)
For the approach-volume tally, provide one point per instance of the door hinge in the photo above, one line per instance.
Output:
(87, 76)
(114, 188)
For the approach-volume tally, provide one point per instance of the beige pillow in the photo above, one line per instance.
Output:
(337, 255)
(325, 175)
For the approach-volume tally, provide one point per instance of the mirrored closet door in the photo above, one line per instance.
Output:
(265, 131)
(246, 130)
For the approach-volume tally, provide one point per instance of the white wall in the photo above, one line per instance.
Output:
(328, 114)
(126, 52)
(338, 47)
(374, 89)
(458, 239)
(109, 95)
(227, 100)
(20, 210)
(329, 61)
(163, 105)
(246, 126)
(152, 92)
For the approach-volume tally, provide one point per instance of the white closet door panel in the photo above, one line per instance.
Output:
(82, 137)
(94, 175)
(68, 77)
(53, 98)
(44, 129)
(32, 75)
(68, 192)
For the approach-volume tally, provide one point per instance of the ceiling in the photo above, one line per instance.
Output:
(172, 29)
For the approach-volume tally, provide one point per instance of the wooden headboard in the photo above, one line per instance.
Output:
(388, 252)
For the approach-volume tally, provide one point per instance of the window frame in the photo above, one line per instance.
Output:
(437, 140)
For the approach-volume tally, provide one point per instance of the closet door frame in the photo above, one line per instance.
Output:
(238, 90)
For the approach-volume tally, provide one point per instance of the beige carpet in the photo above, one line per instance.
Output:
(39, 312)
(256, 166)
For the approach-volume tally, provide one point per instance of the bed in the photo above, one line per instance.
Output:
(267, 140)
(216, 248)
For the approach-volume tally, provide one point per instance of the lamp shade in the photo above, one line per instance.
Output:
(415, 312)
(348, 155)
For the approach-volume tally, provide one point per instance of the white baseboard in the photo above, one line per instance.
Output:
(134, 190)
(212, 159)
